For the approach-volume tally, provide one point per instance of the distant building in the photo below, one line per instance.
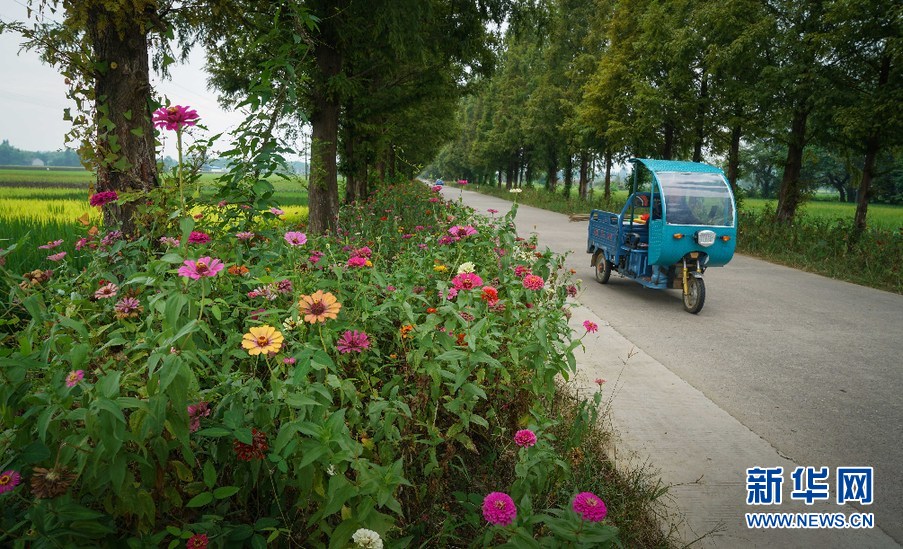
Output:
(37, 162)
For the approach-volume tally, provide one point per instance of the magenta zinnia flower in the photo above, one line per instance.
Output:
(589, 507)
(295, 238)
(525, 438)
(197, 237)
(50, 245)
(533, 282)
(74, 377)
(204, 266)
(197, 541)
(499, 509)
(277, 211)
(9, 480)
(467, 281)
(106, 291)
(590, 326)
(101, 198)
(356, 261)
(195, 413)
(175, 117)
(460, 231)
(353, 341)
(57, 256)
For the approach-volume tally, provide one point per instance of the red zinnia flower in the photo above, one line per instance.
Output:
(255, 450)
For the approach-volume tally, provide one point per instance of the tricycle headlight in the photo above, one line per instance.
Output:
(705, 238)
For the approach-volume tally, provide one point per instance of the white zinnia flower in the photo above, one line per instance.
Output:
(516, 191)
(467, 267)
(289, 324)
(367, 539)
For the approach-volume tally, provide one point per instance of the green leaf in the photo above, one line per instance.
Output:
(225, 491)
(200, 500)
(214, 432)
(35, 452)
(209, 474)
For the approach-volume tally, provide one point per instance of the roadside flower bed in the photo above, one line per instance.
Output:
(243, 383)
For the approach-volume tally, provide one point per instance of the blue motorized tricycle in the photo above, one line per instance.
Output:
(679, 220)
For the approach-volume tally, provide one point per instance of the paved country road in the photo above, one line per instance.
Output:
(812, 365)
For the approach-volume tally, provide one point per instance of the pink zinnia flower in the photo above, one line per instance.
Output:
(127, 305)
(493, 211)
(467, 281)
(315, 257)
(600, 381)
(50, 245)
(295, 238)
(57, 256)
(74, 377)
(590, 326)
(525, 438)
(111, 238)
(196, 412)
(533, 282)
(175, 117)
(197, 541)
(204, 266)
(289, 360)
(521, 271)
(460, 231)
(169, 241)
(353, 341)
(499, 509)
(106, 291)
(244, 235)
(589, 507)
(81, 243)
(101, 198)
(276, 211)
(437, 188)
(356, 261)
(9, 480)
(197, 237)
(364, 252)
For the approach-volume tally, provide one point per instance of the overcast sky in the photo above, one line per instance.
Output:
(33, 95)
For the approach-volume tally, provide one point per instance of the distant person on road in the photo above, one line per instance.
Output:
(440, 182)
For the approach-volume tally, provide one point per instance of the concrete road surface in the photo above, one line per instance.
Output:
(812, 365)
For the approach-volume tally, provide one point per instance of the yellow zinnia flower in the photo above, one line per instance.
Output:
(319, 306)
(440, 268)
(262, 340)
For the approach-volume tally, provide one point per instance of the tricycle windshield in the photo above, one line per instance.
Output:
(696, 199)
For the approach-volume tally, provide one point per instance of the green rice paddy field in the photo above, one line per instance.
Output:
(42, 205)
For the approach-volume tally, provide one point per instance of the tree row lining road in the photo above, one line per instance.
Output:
(810, 364)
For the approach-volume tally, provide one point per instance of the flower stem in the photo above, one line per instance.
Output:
(179, 147)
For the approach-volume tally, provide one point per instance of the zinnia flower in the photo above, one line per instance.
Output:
(499, 509)
(295, 238)
(175, 117)
(9, 480)
(466, 267)
(367, 539)
(591, 327)
(244, 235)
(319, 306)
(204, 266)
(106, 291)
(50, 245)
(353, 342)
(262, 339)
(460, 231)
(356, 261)
(525, 438)
(467, 281)
(74, 377)
(196, 412)
(51, 483)
(101, 198)
(169, 241)
(197, 541)
(276, 211)
(57, 256)
(255, 450)
(589, 507)
(197, 237)
(128, 307)
(489, 294)
(493, 211)
(533, 282)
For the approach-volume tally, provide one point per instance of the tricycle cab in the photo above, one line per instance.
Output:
(680, 219)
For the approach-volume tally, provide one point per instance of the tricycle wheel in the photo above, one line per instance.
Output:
(694, 299)
(603, 269)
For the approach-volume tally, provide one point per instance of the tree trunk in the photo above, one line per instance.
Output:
(392, 167)
(868, 173)
(500, 179)
(323, 193)
(733, 158)
(584, 165)
(568, 174)
(125, 134)
(790, 195)
(668, 147)
(509, 174)
(700, 118)
(552, 173)
(607, 194)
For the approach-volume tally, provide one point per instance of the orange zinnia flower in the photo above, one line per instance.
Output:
(319, 306)
(262, 340)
